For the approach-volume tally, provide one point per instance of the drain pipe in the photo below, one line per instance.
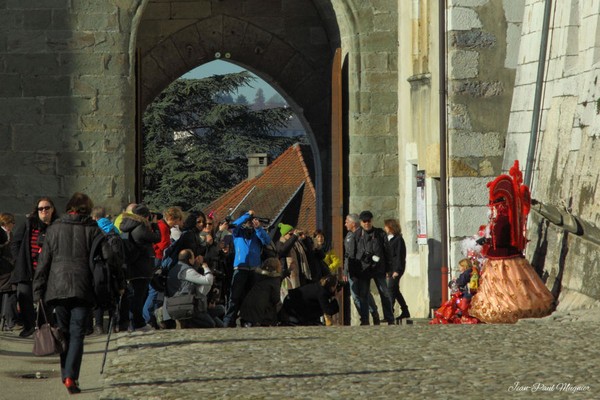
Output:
(443, 151)
(537, 101)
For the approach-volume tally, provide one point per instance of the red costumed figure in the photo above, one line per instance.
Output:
(509, 287)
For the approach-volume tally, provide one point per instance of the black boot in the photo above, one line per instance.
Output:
(376, 320)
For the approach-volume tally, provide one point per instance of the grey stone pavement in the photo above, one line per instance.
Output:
(551, 358)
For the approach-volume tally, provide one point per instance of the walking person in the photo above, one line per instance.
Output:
(396, 258)
(352, 270)
(63, 280)
(26, 245)
(370, 251)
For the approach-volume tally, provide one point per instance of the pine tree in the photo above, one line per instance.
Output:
(195, 146)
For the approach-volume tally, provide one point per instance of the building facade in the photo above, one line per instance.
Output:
(437, 98)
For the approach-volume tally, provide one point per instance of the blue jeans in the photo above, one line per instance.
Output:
(356, 300)
(241, 282)
(364, 288)
(150, 305)
(72, 318)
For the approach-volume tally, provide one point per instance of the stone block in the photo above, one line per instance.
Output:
(298, 8)
(384, 103)
(36, 4)
(475, 144)
(468, 191)
(21, 109)
(382, 185)
(36, 86)
(463, 19)
(465, 221)
(75, 163)
(513, 10)
(5, 137)
(97, 22)
(380, 82)
(383, 40)
(463, 64)
(263, 8)
(189, 47)
(467, 3)
(199, 9)
(44, 137)
(513, 42)
(36, 19)
(520, 122)
(11, 85)
(86, 6)
(68, 41)
(70, 105)
(157, 11)
(472, 39)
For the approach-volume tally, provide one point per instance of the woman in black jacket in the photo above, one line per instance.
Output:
(63, 280)
(26, 245)
(140, 266)
(396, 258)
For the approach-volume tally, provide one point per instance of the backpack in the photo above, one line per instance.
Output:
(169, 260)
(106, 263)
(131, 250)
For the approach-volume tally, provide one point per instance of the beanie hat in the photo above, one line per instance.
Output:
(142, 210)
(284, 228)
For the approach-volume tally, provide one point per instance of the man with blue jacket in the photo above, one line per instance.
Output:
(248, 239)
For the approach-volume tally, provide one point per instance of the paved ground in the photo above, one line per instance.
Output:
(551, 358)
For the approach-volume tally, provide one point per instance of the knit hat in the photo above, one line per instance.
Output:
(142, 210)
(284, 228)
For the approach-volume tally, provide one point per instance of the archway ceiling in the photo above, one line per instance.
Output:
(287, 43)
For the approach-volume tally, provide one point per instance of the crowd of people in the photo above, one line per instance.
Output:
(192, 270)
(232, 272)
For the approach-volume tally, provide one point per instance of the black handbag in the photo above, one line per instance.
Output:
(48, 340)
(181, 306)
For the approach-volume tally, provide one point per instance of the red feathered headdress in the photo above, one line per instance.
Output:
(517, 202)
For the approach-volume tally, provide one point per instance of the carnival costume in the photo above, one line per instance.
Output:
(509, 287)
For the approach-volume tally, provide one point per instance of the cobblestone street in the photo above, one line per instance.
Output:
(549, 358)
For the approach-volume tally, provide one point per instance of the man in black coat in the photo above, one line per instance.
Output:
(370, 252)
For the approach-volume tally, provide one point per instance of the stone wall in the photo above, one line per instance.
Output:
(483, 42)
(66, 102)
(565, 172)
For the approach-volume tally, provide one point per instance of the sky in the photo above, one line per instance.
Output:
(219, 67)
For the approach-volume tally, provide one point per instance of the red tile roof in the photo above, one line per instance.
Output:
(284, 190)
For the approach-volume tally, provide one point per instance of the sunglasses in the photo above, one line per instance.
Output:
(45, 208)
(366, 221)
(209, 223)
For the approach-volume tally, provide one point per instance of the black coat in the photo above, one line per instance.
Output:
(7, 264)
(260, 304)
(63, 270)
(369, 244)
(20, 246)
(396, 254)
(309, 302)
(141, 234)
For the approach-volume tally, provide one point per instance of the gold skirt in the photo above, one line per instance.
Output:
(509, 290)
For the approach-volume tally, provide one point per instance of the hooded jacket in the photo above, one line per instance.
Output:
(63, 270)
(143, 237)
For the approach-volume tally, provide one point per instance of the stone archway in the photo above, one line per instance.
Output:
(288, 44)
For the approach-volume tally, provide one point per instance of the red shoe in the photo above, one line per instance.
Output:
(72, 387)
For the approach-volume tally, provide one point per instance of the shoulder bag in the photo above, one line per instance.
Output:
(48, 340)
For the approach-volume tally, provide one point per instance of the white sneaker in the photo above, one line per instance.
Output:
(145, 328)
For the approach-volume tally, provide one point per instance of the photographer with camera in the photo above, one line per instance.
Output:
(370, 251)
(249, 237)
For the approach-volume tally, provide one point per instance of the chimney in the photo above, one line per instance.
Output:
(257, 162)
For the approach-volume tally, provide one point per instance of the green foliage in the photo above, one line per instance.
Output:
(207, 154)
